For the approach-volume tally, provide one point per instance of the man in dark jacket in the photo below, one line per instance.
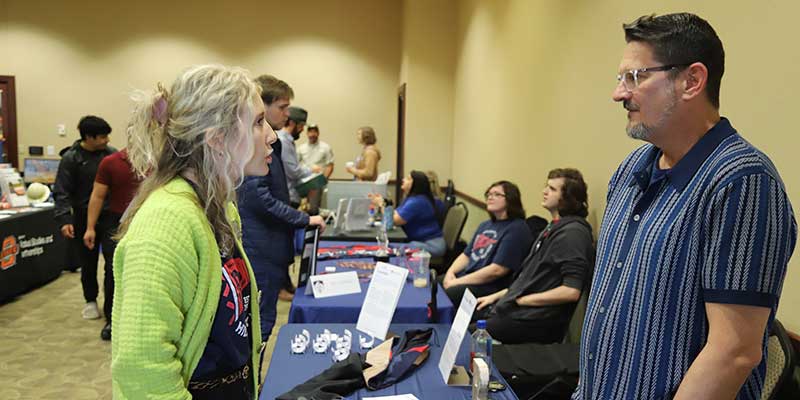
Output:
(268, 221)
(72, 190)
(538, 305)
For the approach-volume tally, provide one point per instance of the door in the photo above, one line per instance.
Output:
(8, 122)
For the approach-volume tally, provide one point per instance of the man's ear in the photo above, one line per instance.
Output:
(695, 81)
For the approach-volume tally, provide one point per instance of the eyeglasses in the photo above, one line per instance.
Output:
(489, 195)
(630, 79)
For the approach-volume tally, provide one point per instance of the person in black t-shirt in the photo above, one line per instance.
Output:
(538, 305)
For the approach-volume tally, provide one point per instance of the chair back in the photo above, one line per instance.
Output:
(573, 334)
(454, 224)
(780, 364)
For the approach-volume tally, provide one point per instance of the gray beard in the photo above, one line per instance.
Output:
(639, 131)
(644, 132)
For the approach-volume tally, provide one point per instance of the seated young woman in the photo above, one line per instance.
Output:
(495, 252)
(417, 214)
(539, 304)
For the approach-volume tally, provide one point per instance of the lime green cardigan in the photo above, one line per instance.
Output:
(168, 274)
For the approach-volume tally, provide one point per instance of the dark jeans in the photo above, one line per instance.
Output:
(455, 293)
(105, 228)
(270, 285)
(513, 331)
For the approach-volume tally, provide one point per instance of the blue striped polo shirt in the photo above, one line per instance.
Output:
(717, 227)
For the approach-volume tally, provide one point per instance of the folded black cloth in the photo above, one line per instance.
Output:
(341, 379)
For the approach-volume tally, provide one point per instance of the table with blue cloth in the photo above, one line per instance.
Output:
(288, 370)
(411, 308)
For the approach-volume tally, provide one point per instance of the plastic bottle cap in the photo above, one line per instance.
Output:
(481, 324)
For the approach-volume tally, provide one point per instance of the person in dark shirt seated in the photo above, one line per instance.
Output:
(538, 305)
(417, 214)
(495, 252)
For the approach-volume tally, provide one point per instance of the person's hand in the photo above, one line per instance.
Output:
(318, 221)
(316, 169)
(485, 301)
(68, 231)
(88, 238)
(449, 280)
(376, 198)
(349, 169)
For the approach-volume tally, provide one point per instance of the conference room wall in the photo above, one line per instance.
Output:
(533, 83)
(75, 58)
(428, 62)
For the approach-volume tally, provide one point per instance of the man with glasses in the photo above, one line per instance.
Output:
(696, 236)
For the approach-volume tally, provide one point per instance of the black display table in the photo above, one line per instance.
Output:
(33, 251)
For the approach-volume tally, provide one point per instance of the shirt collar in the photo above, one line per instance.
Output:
(680, 174)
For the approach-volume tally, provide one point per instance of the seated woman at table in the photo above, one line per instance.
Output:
(366, 165)
(417, 214)
(539, 304)
(186, 321)
(495, 252)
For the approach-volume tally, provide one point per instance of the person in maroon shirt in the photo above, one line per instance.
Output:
(116, 181)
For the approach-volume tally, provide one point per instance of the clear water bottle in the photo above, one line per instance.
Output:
(481, 345)
(388, 216)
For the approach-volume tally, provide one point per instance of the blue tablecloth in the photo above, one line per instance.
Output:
(411, 308)
(288, 370)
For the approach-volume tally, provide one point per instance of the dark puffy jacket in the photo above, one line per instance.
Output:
(75, 180)
(268, 222)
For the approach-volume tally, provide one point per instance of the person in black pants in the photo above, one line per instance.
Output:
(539, 304)
(115, 184)
(72, 190)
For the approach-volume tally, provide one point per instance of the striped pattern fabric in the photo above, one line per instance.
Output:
(717, 228)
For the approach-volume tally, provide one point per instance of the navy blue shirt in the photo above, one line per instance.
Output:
(420, 217)
(228, 347)
(715, 228)
(505, 243)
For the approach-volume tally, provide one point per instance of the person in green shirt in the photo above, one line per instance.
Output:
(185, 317)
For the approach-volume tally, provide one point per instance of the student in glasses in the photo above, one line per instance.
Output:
(495, 252)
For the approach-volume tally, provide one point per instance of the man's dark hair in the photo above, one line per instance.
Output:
(313, 127)
(273, 89)
(682, 38)
(513, 200)
(91, 126)
(574, 198)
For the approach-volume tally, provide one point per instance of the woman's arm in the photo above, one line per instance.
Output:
(370, 170)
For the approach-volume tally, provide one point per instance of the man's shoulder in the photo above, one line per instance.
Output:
(735, 157)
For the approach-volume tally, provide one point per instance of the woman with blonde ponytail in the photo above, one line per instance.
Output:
(185, 316)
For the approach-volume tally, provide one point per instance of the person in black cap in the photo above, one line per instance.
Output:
(295, 172)
(72, 190)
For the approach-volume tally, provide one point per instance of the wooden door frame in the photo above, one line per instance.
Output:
(11, 123)
(401, 141)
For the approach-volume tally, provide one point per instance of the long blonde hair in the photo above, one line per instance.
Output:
(172, 133)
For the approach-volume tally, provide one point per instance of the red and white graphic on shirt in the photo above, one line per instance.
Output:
(484, 243)
(236, 278)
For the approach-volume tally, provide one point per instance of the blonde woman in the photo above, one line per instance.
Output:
(366, 165)
(185, 316)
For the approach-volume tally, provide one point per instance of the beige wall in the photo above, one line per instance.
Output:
(533, 84)
(428, 61)
(501, 89)
(342, 58)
